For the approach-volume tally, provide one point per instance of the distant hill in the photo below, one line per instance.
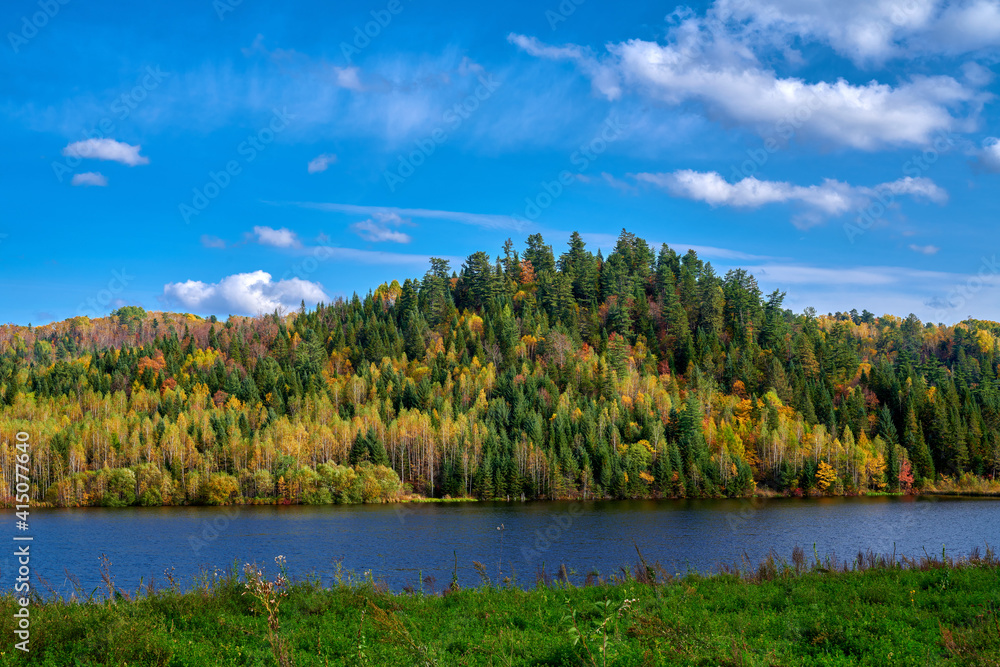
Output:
(643, 374)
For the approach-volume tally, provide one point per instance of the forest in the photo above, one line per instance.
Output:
(528, 375)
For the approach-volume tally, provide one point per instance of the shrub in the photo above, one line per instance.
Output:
(221, 489)
(119, 487)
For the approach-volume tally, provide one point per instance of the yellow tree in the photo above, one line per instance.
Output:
(826, 476)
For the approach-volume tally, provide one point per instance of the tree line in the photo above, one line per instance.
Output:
(524, 375)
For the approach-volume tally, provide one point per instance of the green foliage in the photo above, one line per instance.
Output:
(129, 316)
(119, 485)
(936, 612)
(526, 375)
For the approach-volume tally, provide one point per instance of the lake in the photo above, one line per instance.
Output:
(400, 543)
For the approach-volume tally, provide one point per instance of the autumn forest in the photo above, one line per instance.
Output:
(532, 374)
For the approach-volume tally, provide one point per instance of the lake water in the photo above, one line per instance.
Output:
(399, 543)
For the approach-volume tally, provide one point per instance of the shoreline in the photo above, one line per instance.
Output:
(767, 495)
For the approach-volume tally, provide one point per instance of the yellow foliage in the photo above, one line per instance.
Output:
(204, 358)
(875, 470)
(985, 340)
(826, 475)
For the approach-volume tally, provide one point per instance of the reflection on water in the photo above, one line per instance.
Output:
(398, 543)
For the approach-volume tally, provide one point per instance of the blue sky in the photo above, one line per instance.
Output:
(232, 157)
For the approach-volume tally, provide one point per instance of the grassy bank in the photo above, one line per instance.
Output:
(871, 612)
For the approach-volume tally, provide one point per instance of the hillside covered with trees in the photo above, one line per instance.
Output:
(527, 375)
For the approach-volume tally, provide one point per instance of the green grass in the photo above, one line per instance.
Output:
(931, 612)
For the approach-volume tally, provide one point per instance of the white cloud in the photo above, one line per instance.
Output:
(379, 228)
(935, 296)
(379, 257)
(711, 62)
(534, 47)
(616, 183)
(278, 238)
(321, 162)
(90, 178)
(829, 199)
(603, 76)
(243, 293)
(868, 32)
(965, 26)
(485, 220)
(989, 155)
(347, 77)
(212, 241)
(976, 75)
(797, 274)
(924, 249)
(106, 149)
